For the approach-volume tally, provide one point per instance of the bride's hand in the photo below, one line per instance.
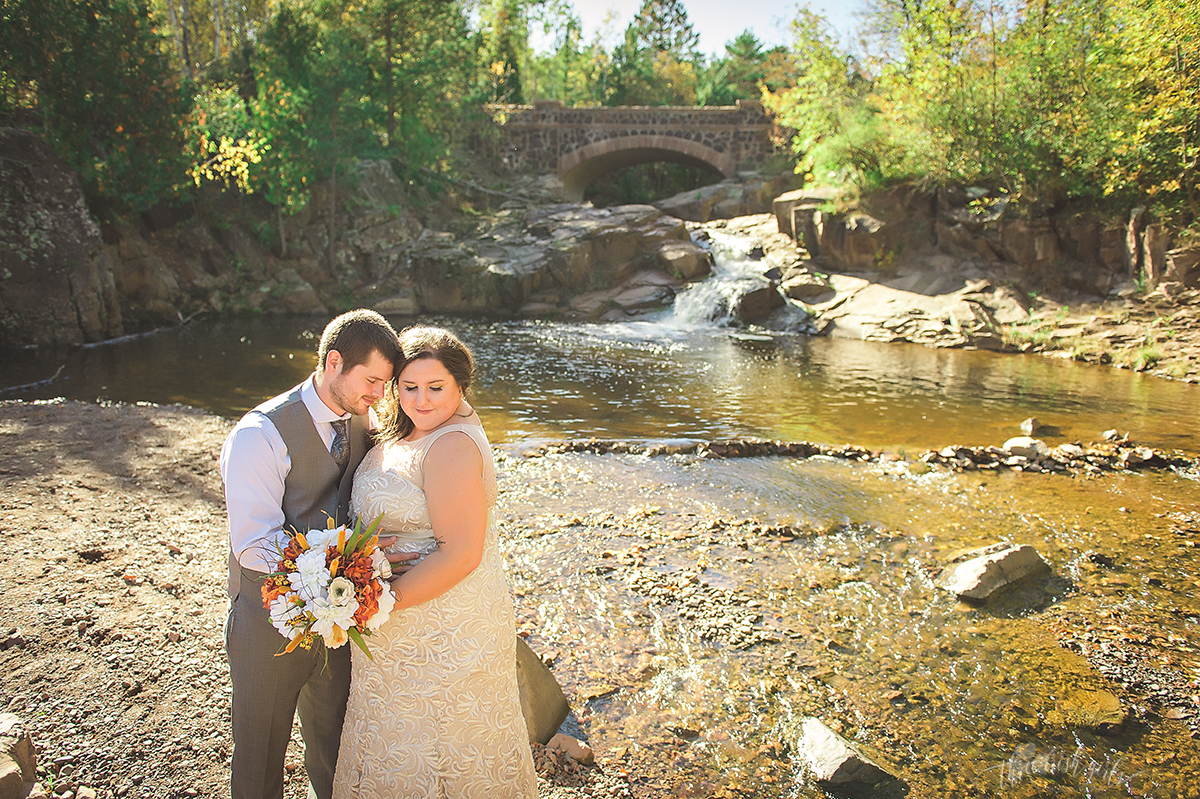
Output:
(399, 560)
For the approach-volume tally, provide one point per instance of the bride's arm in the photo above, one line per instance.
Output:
(458, 512)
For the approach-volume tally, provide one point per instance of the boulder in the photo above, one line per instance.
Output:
(785, 204)
(542, 701)
(56, 280)
(802, 285)
(980, 573)
(18, 758)
(1026, 447)
(757, 303)
(839, 767)
(1183, 266)
(685, 259)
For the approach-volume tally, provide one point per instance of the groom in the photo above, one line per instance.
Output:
(289, 463)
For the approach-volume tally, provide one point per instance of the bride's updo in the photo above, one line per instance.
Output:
(417, 343)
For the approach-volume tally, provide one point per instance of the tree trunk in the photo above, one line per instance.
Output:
(241, 29)
(387, 76)
(178, 37)
(187, 59)
(282, 235)
(332, 212)
(218, 13)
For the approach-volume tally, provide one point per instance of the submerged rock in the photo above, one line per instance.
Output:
(839, 767)
(1098, 711)
(980, 573)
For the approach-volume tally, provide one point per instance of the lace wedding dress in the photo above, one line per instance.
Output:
(437, 712)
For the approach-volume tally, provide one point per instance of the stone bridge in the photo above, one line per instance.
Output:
(581, 144)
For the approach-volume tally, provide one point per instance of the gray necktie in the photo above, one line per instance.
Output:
(340, 448)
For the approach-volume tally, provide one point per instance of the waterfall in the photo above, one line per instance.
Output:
(712, 302)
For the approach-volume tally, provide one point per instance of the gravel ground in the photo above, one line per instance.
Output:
(111, 651)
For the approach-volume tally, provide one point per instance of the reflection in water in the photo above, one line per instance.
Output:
(656, 380)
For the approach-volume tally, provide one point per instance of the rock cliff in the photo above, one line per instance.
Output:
(56, 282)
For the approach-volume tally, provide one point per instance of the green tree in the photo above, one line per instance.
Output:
(90, 76)
(740, 74)
(838, 135)
(655, 62)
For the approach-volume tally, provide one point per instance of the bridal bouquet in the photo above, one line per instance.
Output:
(330, 583)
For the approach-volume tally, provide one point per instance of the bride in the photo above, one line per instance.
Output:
(436, 712)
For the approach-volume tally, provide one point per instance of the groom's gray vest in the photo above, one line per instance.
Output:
(314, 490)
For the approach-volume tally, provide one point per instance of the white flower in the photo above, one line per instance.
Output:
(311, 576)
(382, 566)
(284, 610)
(331, 621)
(341, 591)
(320, 539)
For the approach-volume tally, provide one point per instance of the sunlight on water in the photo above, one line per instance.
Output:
(958, 699)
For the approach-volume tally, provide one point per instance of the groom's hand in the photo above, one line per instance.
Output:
(399, 560)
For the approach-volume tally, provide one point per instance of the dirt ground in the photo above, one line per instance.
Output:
(113, 525)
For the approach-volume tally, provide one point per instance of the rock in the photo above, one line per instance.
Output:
(980, 573)
(757, 303)
(1183, 266)
(804, 286)
(1137, 456)
(740, 196)
(1068, 452)
(784, 205)
(1026, 447)
(685, 259)
(18, 759)
(838, 766)
(1098, 711)
(147, 285)
(643, 297)
(542, 701)
(1030, 426)
(578, 751)
(56, 279)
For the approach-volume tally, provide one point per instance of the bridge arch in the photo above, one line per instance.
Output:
(579, 167)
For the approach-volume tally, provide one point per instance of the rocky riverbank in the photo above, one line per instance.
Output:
(936, 299)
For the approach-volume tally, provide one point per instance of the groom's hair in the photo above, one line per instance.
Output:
(356, 334)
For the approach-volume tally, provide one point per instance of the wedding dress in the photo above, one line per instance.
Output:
(437, 712)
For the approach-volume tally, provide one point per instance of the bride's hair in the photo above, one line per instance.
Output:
(417, 343)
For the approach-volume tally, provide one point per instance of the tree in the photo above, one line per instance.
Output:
(655, 63)
(740, 74)
(662, 26)
(91, 77)
(838, 135)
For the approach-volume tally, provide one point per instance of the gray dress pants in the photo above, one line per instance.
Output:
(267, 692)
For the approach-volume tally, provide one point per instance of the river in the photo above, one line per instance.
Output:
(696, 610)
